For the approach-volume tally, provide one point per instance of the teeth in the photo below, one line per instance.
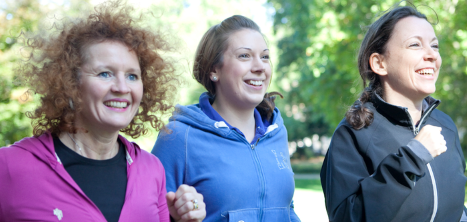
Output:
(255, 83)
(116, 104)
(426, 72)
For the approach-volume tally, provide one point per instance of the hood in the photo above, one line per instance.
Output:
(193, 116)
(43, 148)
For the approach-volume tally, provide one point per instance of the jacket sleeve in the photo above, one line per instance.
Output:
(164, 214)
(170, 148)
(293, 215)
(353, 194)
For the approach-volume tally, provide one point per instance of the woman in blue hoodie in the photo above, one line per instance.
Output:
(232, 146)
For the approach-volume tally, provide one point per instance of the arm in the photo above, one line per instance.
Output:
(171, 151)
(353, 194)
(164, 215)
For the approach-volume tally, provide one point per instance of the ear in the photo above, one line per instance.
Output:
(214, 73)
(378, 64)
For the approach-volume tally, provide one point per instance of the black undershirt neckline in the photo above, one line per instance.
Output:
(103, 181)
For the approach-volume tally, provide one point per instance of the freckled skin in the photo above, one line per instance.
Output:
(111, 72)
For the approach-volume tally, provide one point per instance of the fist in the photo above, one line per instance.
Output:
(431, 137)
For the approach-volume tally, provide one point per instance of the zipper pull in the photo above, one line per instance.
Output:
(252, 146)
(417, 130)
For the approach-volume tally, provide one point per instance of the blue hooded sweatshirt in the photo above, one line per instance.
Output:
(239, 181)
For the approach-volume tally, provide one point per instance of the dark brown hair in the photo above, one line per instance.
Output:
(375, 41)
(52, 69)
(210, 51)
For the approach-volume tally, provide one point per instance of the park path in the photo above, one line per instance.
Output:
(309, 205)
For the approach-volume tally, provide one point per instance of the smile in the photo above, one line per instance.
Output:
(254, 82)
(429, 71)
(115, 104)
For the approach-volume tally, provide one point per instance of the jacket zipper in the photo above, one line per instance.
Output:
(416, 130)
(263, 187)
(258, 166)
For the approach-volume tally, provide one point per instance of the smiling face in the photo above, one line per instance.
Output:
(111, 87)
(245, 74)
(411, 61)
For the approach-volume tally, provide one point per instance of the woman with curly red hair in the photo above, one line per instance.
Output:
(98, 76)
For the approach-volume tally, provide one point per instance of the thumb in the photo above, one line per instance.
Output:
(170, 196)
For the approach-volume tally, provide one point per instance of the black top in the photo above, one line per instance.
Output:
(381, 173)
(103, 181)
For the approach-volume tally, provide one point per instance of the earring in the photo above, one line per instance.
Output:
(214, 78)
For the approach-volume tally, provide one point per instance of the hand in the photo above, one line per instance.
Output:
(181, 204)
(431, 137)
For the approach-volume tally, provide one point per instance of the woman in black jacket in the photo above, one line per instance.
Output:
(395, 157)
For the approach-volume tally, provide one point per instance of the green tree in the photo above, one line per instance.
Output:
(19, 19)
(318, 43)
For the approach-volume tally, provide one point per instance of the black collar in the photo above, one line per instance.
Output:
(400, 115)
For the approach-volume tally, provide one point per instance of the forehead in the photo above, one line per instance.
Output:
(103, 49)
(246, 38)
(413, 27)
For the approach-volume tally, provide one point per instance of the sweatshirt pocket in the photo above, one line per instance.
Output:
(276, 214)
(244, 215)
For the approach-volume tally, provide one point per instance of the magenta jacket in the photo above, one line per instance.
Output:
(34, 186)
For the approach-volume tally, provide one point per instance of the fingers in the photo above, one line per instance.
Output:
(183, 204)
(170, 196)
(431, 137)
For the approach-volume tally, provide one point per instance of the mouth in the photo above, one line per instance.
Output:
(426, 72)
(115, 104)
(254, 82)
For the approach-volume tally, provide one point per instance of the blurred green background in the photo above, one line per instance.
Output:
(313, 45)
(313, 48)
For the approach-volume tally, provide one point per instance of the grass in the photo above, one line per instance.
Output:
(306, 184)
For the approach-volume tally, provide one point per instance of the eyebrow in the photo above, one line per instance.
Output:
(128, 70)
(419, 37)
(250, 49)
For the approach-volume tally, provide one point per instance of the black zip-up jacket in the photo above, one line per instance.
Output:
(381, 173)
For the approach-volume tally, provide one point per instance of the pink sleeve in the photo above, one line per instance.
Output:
(164, 214)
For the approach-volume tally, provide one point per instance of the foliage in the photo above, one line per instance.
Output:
(318, 43)
(182, 21)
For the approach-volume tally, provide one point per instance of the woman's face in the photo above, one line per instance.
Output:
(111, 86)
(245, 73)
(412, 59)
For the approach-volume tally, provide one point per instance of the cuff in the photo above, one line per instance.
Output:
(420, 151)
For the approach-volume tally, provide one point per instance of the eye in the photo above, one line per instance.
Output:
(435, 46)
(244, 56)
(133, 77)
(265, 57)
(414, 45)
(104, 74)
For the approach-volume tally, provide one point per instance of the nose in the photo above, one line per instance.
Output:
(431, 54)
(258, 65)
(120, 85)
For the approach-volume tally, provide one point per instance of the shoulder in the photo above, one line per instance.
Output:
(443, 119)
(346, 136)
(20, 150)
(147, 158)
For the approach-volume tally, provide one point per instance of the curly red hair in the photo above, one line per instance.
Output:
(52, 69)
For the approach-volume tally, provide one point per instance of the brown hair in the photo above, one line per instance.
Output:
(52, 69)
(210, 51)
(375, 41)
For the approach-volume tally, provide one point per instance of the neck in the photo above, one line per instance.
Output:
(243, 119)
(93, 145)
(414, 105)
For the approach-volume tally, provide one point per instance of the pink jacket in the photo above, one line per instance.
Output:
(34, 186)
